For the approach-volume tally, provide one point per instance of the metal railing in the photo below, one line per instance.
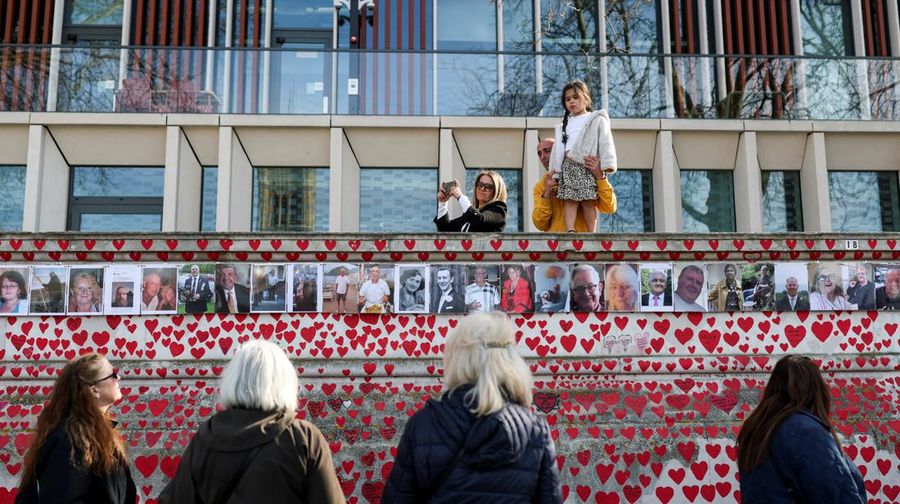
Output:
(415, 83)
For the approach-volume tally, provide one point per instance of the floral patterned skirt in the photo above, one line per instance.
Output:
(576, 183)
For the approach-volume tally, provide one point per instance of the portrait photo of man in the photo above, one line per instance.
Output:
(690, 288)
(887, 295)
(232, 292)
(586, 288)
(375, 292)
(482, 291)
(123, 282)
(792, 287)
(196, 288)
(656, 285)
(447, 289)
(158, 287)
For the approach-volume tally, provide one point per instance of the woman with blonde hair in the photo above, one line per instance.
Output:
(85, 294)
(622, 291)
(480, 442)
(787, 449)
(77, 455)
(486, 214)
(827, 292)
(255, 450)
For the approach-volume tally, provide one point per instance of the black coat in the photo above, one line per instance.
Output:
(61, 481)
(783, 304)
(457, 305)
(490, 219)
(507, 457)
(241, 293)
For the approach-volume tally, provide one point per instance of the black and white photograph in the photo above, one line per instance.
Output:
(304, 283)
(656, 287)
(482, 288)
(49, 289)
(268, 288)
(122, 290)
(448, 288)
(411, 295)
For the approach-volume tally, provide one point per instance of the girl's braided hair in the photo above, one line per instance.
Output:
(584, 92)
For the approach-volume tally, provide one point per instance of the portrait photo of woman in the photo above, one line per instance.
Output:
(14, 295)
(412, 289)
(85, 293)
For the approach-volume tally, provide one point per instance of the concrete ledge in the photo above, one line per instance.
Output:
(318, 121)
(192, 119)
(857, 126)
(702, 124)
(483, 122)
(794, 126)
(23, 118)
(341, 121)
(98, 119)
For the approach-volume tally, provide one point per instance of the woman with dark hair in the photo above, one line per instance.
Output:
(13, 292)
(77, 455)
(787, 449)
(486, 213)
(411, 292)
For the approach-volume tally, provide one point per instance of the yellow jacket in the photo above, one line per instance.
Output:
(549, 214)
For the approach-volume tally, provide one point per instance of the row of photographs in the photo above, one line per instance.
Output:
(451, 288)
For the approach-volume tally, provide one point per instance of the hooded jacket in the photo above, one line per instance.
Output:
(506, 457)
(292, 464)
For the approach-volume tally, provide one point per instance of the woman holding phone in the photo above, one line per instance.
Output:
(486, 214)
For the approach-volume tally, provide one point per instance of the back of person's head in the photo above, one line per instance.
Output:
(795, 385)
(73, 406)
(260, 377)
(482, 352)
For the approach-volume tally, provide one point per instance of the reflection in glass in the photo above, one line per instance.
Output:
(290, 199)
(781, 207)
(467, 25)
(117, 182)
(315, 14)
(466, 83)
(397, 199)
(128, 223)
(94, 12)
(299, 79)
(832, 84)
(88, 76)
(568, 25)
(826, 27)
(513, 180)
(864, 201)
(12, 197)
(631, 26)
(707, 201)
(634, 192)
(209, 196)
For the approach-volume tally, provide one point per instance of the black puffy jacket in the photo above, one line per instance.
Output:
(507, 457)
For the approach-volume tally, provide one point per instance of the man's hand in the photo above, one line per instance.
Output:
(550, 186)
(592, 163)
(476, 305)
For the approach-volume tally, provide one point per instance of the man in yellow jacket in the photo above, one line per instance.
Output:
(549, 212)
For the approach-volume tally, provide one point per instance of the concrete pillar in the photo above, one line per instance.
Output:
(532, 171)
(235, 188)
(46, 183)
(344, 191)
(814, 186)
(451, 166)
(666, 186)
(747, 186)
(183, 184)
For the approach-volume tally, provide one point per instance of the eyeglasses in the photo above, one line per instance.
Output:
(10, 286)
(584, 289)
(827, 278)
(114, 375)
(482, 185)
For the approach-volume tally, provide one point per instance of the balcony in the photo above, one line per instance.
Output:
(429, 83)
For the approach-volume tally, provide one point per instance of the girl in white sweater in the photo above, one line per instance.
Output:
(583, 138)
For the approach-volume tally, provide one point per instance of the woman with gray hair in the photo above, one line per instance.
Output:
(621, 288)
(480, 442)
(255, 449)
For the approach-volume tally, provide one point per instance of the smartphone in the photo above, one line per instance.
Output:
(447, 187)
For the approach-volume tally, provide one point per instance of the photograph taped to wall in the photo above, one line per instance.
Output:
(723, 282)
(622, 287)
(49, 289)
(85, 290)
(122, 289)
(587, 287)
(887, 286)
(232, 288)
(656, 287)
(517, 287)
(758, 284)
(859, 286)
(14, 292)
(447, 288)
(792, 287)
(304, 284)
(482, 288)
(411, 294)
(375, 291)
(551, 284)
(340, 287)
(269, 284)
(826, 287)
(690, 288)
(159, 286)
(197, 288)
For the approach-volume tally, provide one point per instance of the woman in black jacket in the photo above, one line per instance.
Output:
(77, 455)
(480, 442)
(487, 214)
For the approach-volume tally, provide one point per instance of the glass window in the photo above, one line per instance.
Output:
(290, 199)
(467, 25)
(95, 12)
(387, 206)
(12, 197)
(568, 25)
(634, 190)
(781, 206)
(707, 201)
(119, 182)
(864, 201)
(304, 14)
(513, 180)
(631, 26)
(826, 27)
(208, 198)
(128, 223)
